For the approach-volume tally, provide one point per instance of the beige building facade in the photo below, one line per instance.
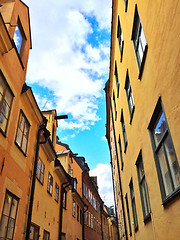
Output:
(143, 115)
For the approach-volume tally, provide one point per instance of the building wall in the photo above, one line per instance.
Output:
(16, 167)
(160, 23)
(92, 217)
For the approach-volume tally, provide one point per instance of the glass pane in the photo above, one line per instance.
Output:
(141, 170)
(10, 231)
(164, 172)
(3, 124)
(7, 204)
(38, 169)
(14, 208)
(19, 137)
(160, 128)
(18, 38)
(26, 130)
(145, 197)
(31, 233)
(174, 166)
(36, 233)
(3, 226)
(21, 122)
(143, 39)
(140, 52)
(24, 144)
(8, 97)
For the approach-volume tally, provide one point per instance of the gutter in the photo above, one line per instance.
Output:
(46, 135)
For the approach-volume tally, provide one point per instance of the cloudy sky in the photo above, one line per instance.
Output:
(68, 68)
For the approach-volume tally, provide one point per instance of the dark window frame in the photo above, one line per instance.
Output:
(124, 132)
(129, 96)
(126, 5)
(25, 122)
(10, 213)
(158, 112)
(35, 227)
(77, 212)
(46, 234)
(133, 204)
(143, 185)
(41, 171)
(138, 43)
(115, 107)
(120, 151)
(120, 39)
(116, 78)
(64, 198)
(50, 184)
(128, 214)
(2, 101)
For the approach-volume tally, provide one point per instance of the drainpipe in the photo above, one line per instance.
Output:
(61, 207)
(46, 136)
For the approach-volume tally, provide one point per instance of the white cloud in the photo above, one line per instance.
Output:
(104, 178)
(63, 61)
(104, 138)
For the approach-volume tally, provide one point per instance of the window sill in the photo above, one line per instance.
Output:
(20, 149)
(169, 199)
(125, 148)
(49, 193)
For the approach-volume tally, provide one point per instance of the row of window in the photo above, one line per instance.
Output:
(34, 233)
(77, 212)
(90, 221)
(90, 197)
(138, 39)
(167, 166)
(40, 176)
(6, 99)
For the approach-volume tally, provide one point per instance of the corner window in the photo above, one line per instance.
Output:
(143, 188)
(64, 198)
(22, 132)
(6, 98)
(123, 131)
(129, 219)
(74, 209)
(46, 235)
(120, 151)
(50, 184)
(56, 196)
(19, 37)
(139, 41)
(129, 96)
(116, 79)
(115, 110)
(40, 171)
(165, 156)
(120, 38)
(133, 205)
(8, 218)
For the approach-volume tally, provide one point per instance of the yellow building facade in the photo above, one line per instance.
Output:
(143, 112)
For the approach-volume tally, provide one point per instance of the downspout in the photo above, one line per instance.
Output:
(122, 200)
(46, 135)
(61, 208)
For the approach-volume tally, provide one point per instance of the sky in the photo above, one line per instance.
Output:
(67, 70)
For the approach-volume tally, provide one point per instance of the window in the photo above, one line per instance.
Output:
(143, 188)
(126, 4)
(94, 202)
(77, 212)
(6, 98)
(75, 183)
(120, 150)
(19, 37)
(74, 209)
(123, 131)
(64, 198)
(139, 42)
(50, 184)
(165, 157)
(115, 110)
(8, 218)
(56, 196)
(120, 38)
(22, 132)
(34, 232)
(116, 79)
(81, 217)
(40, 171)
(84, 189)
(46, 235)
(129, 95)
(133, 205)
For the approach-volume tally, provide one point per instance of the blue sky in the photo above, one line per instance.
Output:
(67, 70)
